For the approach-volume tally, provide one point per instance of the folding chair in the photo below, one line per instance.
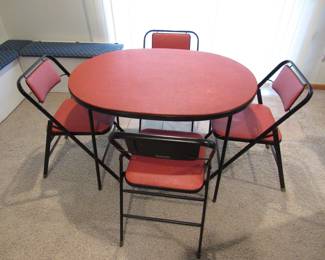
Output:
(178, 162)
(171, 39)
(257, 125)
(70, 118)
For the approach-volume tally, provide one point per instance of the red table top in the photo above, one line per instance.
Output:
(163, 84)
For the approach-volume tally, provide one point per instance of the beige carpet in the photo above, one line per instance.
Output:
(65, 217)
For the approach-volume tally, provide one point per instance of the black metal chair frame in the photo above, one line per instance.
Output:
(52, 121)
(150, 32)
(155, 146)
(272, 130)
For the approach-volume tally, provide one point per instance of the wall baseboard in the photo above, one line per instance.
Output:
(319, 86)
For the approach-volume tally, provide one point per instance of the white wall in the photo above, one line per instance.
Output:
(319, 73)
(9, 95)
(53, 20)
(3, 33)
(313, 50)
(83, 20)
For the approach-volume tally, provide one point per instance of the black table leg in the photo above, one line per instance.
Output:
(93, 137)
(222, 159)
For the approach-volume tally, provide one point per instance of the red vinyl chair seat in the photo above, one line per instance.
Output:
(75, 119)
(247, 124)
(167, 173)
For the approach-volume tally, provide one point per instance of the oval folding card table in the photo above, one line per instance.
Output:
(163, 84)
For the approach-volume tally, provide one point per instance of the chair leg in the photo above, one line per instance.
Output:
(278, 159)
(47, 149)
(198, 254)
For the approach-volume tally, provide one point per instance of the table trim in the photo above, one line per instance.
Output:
(163, 117)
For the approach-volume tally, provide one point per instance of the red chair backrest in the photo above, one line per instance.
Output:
(288, 86)
(171, 40)
(43, 79)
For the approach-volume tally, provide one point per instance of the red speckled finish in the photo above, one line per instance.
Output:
(163, 84)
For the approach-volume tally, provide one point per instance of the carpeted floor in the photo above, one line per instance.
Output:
(66, 217)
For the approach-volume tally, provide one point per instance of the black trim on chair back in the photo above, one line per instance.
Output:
(299, 75)
(295, 107)
(31, 99)
(192, 33)
(166, 147)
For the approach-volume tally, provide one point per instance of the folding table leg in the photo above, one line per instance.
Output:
(93, 137)
(198, 254)
(140, 125)
(47, 149)
(209, 131)
(222, 159)
(121, 202)
(218, 152)
(276, 152)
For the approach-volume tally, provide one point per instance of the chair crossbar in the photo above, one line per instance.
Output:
(55, 144)
(159, 194)
(164, 220)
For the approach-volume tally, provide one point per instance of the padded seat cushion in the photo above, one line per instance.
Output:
(43, 79)
(167, 173)
(6, 57)
(247, 124)
(74, 118)
(15, 45)
(288, 86)
(68, 49)
(171, 40)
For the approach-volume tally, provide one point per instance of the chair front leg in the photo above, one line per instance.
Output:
(278, 158)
